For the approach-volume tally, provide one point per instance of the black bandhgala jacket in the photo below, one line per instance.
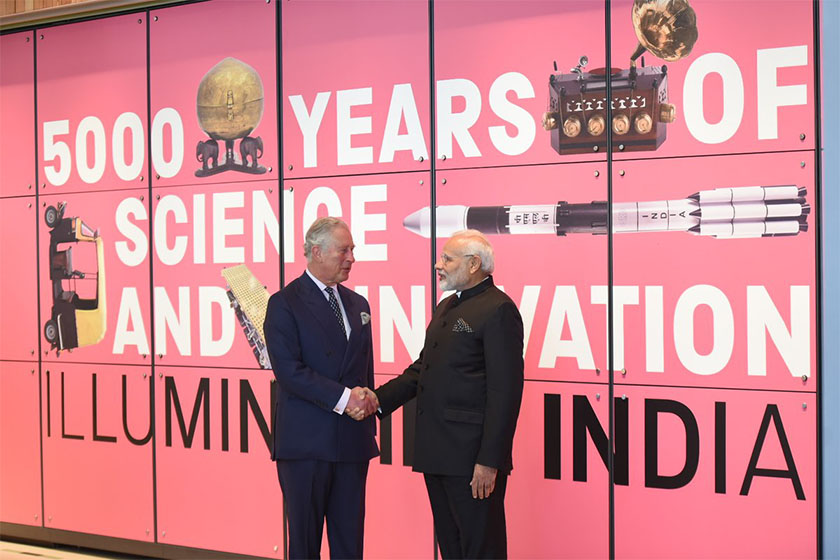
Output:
(468, 383)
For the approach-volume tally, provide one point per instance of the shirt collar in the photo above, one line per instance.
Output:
(321, 285)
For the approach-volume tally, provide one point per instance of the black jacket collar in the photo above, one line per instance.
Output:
(475, 290)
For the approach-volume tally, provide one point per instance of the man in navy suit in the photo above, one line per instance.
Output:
(319, 340)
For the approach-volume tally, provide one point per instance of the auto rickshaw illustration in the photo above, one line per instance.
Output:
(75, 321)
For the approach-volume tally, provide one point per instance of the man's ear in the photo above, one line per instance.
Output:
(316, 253)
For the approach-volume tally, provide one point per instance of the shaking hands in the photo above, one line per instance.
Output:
(362, 403)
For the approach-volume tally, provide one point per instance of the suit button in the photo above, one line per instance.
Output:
(419, 411)
(434, 344)
(329, 352)
(443, 323)
(425, 366)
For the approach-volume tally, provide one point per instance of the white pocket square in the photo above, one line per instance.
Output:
(365, 318)
(461, 326)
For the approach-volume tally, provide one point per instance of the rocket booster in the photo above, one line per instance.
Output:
(723, 213)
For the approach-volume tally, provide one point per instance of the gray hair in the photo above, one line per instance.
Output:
(320, 234)
(475, 243)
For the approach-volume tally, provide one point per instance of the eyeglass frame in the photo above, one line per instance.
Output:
(446, 259)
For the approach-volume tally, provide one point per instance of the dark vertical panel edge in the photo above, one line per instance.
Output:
(432, 181)
(150, 174)
(610, 357)
(281, 186)
(38, 267)
(818, 261)
(281, 181)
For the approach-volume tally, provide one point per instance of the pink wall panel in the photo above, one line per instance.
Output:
(20, 444)
(18, 279)
(746, 86)
(217, 488)
(17, 114)
(492, 64)
(719, 509)
(700, 310)
(398, 517)
(392, 264)
(714, 334)
(550, 277)
(122, 221)
(92, 125)
(553, 511)
(355, 87)
(241, 224)
(97, 430)
(186, 42)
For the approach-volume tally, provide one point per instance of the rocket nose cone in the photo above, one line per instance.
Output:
(418, 222)
(450, 218)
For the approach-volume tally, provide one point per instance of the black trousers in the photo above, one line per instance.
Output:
(315, 490)
(467, 527)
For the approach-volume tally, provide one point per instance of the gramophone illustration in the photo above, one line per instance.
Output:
(230, 105)
(577, 108)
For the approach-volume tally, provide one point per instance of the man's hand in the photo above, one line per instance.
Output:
(483, 481)
(362, 403)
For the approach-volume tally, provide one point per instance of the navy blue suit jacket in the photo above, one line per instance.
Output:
(313, 363)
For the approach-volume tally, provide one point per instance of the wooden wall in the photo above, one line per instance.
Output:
(8, 7)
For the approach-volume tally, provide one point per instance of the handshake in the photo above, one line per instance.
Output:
(363, 402)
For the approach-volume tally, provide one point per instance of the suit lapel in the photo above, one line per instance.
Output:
(354, 318)
(353, 313)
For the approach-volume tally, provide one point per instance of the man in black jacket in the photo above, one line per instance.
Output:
(468, 383)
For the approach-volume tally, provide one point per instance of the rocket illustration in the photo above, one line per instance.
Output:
(724, 213)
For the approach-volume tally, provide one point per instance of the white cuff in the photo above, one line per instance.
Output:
(342, 402)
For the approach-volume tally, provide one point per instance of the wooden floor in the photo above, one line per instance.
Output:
(20, 551)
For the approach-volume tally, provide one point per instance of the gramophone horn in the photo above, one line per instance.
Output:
(667, 28)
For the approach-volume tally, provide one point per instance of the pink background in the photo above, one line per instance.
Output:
(20, 330)
(102, 76)
(20, 449)
(98, 69)
(186, 42)
(677, 261)
(768, 523)
(330, 46)
(781, 24)
(97, 486)
(17, 112)
(187, 273)
(220, 500)
(97, 210)
(480, 41)
(398, 518)
(549, 518)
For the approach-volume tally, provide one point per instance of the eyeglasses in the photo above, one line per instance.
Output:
(446, 259)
